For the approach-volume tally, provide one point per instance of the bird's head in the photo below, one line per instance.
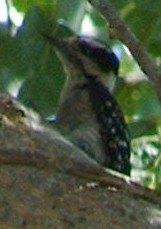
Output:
(85, 55)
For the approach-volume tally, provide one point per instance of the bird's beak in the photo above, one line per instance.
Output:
(58, 43)
(62, 48)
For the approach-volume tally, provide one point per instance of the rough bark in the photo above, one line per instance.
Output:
(47, 182)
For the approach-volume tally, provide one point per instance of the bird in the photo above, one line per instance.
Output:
(87, 100)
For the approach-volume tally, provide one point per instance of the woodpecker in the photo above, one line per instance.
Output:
(86, 99)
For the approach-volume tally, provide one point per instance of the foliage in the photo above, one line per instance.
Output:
(27, 62)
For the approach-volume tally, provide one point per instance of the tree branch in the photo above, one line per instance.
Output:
(20, 145)
(125, 35)
(53, 152)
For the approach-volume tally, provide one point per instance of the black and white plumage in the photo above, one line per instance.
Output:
(87, 61)
(97, 52)
(112, 127)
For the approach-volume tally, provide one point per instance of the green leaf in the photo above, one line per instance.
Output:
(26, 5)
(144, 18)
(72, 14)
(139, 101)
(142, 128)
(42, 89)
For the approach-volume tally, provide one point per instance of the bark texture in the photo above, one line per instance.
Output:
(47, 182)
